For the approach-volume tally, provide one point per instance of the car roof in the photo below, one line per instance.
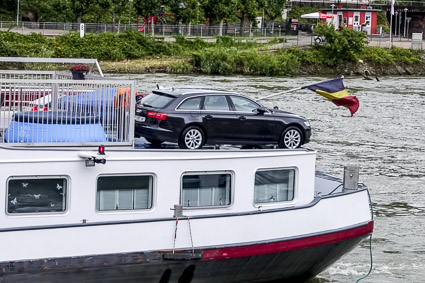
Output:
(179, 91)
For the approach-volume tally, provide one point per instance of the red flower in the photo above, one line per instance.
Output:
(79, 68)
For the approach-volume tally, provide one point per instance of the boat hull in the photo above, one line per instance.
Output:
(292, 260)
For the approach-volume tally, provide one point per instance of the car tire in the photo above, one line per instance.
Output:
(192, 138)
(154, 141)
(292, 137)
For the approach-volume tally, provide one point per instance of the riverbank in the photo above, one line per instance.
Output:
(183, 65)
(343, 53)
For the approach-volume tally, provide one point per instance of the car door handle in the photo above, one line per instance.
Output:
(209, 117)
(242, 118)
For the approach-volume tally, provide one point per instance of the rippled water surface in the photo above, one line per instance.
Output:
(386, 138)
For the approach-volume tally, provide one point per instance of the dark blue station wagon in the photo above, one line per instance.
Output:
(194, 117)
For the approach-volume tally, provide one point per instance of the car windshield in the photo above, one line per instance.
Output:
(156, 100)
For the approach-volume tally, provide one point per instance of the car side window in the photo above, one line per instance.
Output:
(191, 104)
(216, 102)
(244, 104)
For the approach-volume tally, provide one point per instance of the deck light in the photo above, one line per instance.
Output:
(101, 150)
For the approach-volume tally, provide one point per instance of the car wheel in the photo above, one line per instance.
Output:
(192, 138)
(292, 137)
(154, 142)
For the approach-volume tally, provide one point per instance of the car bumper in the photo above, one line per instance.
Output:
(154, 132)
(307, 135)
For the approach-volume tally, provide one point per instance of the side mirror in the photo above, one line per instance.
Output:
(261, 110)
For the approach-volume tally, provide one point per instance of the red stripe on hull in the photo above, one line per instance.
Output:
(276, 247)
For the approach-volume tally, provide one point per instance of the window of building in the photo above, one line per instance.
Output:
(124, 192)
(208, 189)
(36, 195)
(191, 104)
(367, 20)
(275, 185)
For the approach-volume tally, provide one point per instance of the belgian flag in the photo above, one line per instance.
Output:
(335, 91)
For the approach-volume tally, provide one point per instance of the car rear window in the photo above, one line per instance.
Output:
(156, 100)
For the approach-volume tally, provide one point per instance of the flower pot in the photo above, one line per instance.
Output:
(78, 75)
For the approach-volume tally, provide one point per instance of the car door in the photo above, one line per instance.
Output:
(190, 109)
(217, 118)
(252, 126)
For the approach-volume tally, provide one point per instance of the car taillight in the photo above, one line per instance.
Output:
(156, 115)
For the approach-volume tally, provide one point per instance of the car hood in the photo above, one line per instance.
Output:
(286, 114)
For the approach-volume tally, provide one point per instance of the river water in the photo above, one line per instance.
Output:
(385, 138)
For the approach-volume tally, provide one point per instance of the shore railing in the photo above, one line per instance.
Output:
(157, 30)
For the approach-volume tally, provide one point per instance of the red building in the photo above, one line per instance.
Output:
(364, 19)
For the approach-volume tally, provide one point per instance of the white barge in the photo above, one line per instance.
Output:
(72, 211)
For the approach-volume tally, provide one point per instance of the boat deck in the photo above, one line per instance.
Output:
(141, 143)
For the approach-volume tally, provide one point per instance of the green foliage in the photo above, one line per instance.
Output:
(377, 55)
(382, 19)
(216, 10)
(14, 44)
(224, 61)
(219, 61)
(388, 56)
(306, 56)
(180, 68)
(406, 55)
(296, 13)
(339, 46)
(192, 45)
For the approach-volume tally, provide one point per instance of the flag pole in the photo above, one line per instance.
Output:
(289, 90)
(279, 93)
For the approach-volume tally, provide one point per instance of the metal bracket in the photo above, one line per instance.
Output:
(351, 177)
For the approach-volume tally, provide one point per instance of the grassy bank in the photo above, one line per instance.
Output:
(344, 52)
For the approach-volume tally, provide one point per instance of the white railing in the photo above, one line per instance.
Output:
(39, 111)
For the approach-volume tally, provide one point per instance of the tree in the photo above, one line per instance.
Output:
(45, 10)
(219, 10)
(146, 7)
(247, 10)
(83, 7)
(273, 9)
(117, 8)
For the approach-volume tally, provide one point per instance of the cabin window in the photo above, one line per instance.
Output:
(36, 195)
(124, 192)
(203, 190)
(274, 185)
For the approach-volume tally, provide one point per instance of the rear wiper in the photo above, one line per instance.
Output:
(147, 105)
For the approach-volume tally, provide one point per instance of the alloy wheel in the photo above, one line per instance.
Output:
(292, 139)
(193, 139)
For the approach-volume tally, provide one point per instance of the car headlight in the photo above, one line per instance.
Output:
(307, 123)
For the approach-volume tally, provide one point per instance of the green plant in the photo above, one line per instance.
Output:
(339, 46)
(180, 68)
